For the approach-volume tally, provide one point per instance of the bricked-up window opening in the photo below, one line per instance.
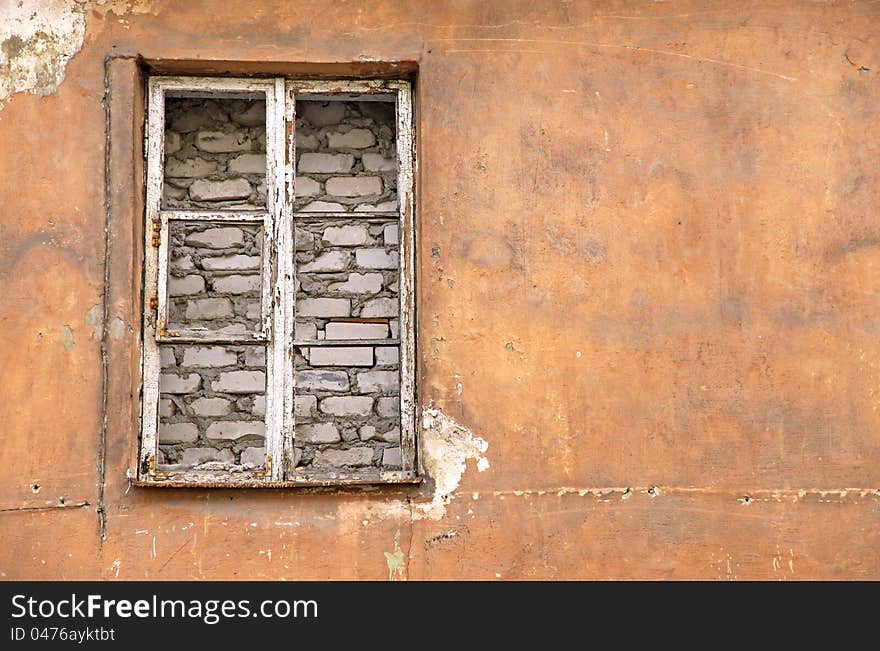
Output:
(278, 325)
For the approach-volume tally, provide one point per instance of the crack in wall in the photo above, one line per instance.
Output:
(48, 507)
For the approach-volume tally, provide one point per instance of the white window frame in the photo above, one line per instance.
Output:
(278, 277)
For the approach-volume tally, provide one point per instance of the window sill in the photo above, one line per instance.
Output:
(301, 481)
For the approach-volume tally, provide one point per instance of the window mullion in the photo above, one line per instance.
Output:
(405, 172)
(277, 293)
(150, 359)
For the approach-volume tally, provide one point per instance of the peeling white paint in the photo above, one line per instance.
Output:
(37, 39)
(446, 447)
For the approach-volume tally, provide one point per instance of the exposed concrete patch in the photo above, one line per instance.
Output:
(395, 560)
(117, 328)
(95, 318)
(37, 39)
(447, 446)
(67, 338)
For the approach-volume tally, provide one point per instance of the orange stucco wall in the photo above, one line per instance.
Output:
(649, 257)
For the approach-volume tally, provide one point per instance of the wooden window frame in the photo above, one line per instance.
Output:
(278, 278)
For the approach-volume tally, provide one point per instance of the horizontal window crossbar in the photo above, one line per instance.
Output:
(319, 343)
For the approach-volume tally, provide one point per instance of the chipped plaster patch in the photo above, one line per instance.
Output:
(446, 447)
(395, 560)
(117, 328)
(95, 318)
(67, 338)
(37, 39)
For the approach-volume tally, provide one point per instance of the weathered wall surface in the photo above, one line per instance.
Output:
(648, 262)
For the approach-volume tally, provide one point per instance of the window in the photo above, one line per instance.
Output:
(278, 283)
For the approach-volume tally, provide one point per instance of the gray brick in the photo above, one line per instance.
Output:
(327, 262)
(324, 206)
(378, 163)
(341, 356)
(183, 263)
(316, 433)
(322, 114)
(235, 430)
(208, 308)
(343, 330)
(377, 381)
(169, 383)
(395, 328)
(166, 408)
(233, 329)
(166, 356)
(231, 262)
(216, 142)
(354, 139)
(370, 433)
(347, 405)
(305, 241)
(191, 168)
(322, 380)
(237, 284)
(259, 407)
(380, 307)
(325, 163)
(253, 456)
(255, 356)
(306, 187)
(359, 284)
(211, 407)
(254, 311)
(240, 382)
(208, 356)
(351, 457)
(385, 206)
(248, 164)
(388, 407)
(304, 406)
(377, 259)
(185, 286)
(346, 235)
(391, 436)
(226, 190)
(172, 142)
(391, 457)
(387, 356)
(198, 456)
(323, 307)
(178, 433)
(253, 116)
(171, 192)
(353, 186)
(391, 234)
(305, 331)
(223, 237)
(191, 121)
(306, 141)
